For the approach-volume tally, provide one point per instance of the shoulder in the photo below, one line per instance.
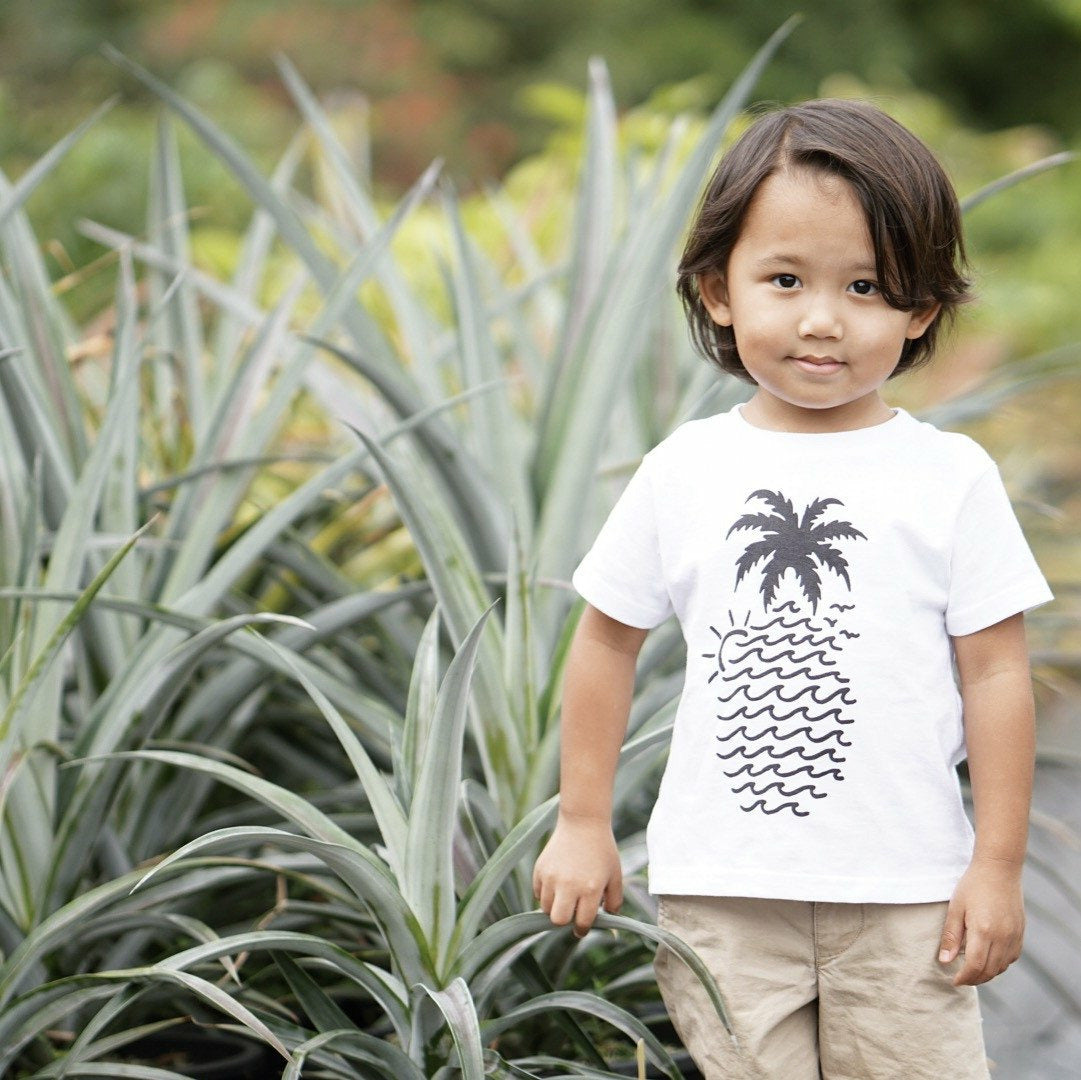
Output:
(953, 451)
(691, 439)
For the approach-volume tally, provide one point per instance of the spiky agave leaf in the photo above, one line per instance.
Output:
(428, 881)
(455, 1003)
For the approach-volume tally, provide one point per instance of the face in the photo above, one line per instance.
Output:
(800, 295)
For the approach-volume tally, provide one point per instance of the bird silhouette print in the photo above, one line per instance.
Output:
(784, 698)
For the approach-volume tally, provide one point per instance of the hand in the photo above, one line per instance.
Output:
(986, 916)
(577, 872)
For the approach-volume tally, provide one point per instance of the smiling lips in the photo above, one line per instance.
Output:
(818, 365)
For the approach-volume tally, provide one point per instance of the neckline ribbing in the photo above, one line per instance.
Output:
(854, 435)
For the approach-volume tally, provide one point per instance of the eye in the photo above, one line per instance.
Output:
(864, 288)
(785, 281)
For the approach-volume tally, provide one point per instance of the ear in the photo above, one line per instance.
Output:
(714, 294)
(919, 321)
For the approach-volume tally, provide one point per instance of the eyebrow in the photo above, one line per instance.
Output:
(775, 258)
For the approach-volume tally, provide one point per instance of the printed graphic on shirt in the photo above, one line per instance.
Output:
(783, 693)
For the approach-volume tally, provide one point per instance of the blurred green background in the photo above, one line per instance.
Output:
(485, 84)
(447, 76)
(495, 86)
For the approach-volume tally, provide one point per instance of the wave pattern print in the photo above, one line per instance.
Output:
(784, 720)
(784, 701)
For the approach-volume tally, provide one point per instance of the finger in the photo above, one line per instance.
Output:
(613, 897)
(976, 951)
(585, 913)
(547, 897)
(1015, 944)
(1002, 956)
(953, 935)
(986, 972)
(996, 964)
(561, 911)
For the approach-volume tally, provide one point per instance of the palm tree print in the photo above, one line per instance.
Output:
(784, 701)
(794, 543)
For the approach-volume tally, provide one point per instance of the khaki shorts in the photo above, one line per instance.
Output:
(817, 989)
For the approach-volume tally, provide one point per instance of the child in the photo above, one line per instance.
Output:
(828, 557)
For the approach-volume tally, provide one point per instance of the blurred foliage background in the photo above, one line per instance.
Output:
(451, 77)
(496, 87)
(483, 83)
(486, 84)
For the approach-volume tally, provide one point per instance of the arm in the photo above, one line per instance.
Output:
(986, 912)
(579, 866)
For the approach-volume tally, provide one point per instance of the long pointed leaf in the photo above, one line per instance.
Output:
(456, 1005)
(428, 884)
(1053, 161)
(24, 1018)
(419, 709)
(62, 926)
(50, 649)
(360, 870)
(463, 598)
(594, 1005)
(388, 812)
(519, 842)
(594, 229)
(85, 814)
(21, 191)
(382, 1054)
(415, 324)
(305, 945)
(323, 1012)
(494, 424)
(514, 932)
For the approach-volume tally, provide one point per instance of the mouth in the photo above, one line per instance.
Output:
(818, 365)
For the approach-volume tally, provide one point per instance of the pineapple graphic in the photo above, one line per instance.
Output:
(783, 696)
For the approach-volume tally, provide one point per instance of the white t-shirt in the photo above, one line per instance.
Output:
(817, 579)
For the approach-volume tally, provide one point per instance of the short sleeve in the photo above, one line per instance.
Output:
(622, 574)
(993, 573)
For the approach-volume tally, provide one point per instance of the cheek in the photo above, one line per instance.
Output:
(759, 351)
(885, 335)
(759, 333)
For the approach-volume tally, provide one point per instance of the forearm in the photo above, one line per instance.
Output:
(597, 692)
(986, 914)
(999, 718)
(579, 868)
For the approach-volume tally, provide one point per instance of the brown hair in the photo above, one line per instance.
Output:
(911, 208)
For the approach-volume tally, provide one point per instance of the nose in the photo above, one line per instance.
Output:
(819, 318)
